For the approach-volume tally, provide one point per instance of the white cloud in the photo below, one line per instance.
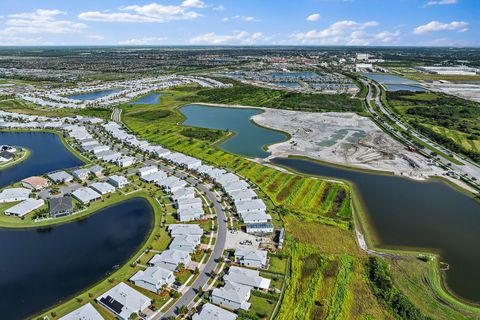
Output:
(441, 2)
(238, 37)
(193, 4)
(152, 12)
(219, 8)
(340, 32)
(246, 18)
(40, 21)
(225, 19)
(142, 41)
(8, 40)
(435, 26)
(96, 37)
(313, 17)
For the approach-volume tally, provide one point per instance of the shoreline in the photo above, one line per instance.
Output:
(26, 154)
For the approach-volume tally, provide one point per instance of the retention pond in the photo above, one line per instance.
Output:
(406, 214)
(250, 140)
(42, 267)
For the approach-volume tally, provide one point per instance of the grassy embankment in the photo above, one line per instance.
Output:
(450, 121)
(19, 157)
(328, 276)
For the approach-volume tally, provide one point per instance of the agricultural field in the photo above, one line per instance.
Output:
(451, 121)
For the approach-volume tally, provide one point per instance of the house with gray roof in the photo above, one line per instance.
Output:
(170, 259)
(123, 301)
(86, 195)
(231, 295)
(59, 207)
(118, 181)
(85, 312)
(250, 257)
(81, 174)
(247, 277)
(24, 207)
(190, 214)
(186, 243)
(178, 229)
(212, 312)
(14, 194)
(60, 177)
(153, 278)
(102, 187)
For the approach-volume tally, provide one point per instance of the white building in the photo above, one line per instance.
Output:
(185, 243)
(102, 187)
(86, 195)
(247, 277)
(190, 214)
(24, 207)
(170, 259)
(118, 181)
(177, 229)
(212, 312)
(250, 206)
(60, 177)
(125, 161)
(123, 301)
(147, 170)
(232, 296)
(154, 177)
(14, 194)
(251, 257)
(85, 312)
(153, 278)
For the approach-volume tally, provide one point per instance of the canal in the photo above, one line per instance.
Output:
(47, 154)
(416, 215)
(41, 267)
(249, 139)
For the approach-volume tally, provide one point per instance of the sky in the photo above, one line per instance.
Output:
(241, 22)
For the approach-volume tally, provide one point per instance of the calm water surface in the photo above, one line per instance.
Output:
(47, 154)
(249, 139)
(93, 95)
(148, 99)
(395, 83)
(41, 267)
(405, 213)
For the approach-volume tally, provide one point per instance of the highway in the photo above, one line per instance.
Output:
(468, 169)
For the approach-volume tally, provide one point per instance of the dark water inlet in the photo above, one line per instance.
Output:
(409, 214)
(41, 267)
(47, 154)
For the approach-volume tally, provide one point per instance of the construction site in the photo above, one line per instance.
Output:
(345, 139)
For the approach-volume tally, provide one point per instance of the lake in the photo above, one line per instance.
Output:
(249, 139)
(93, 95)
(395, 83)
(148, 99)
(41, 267)
(47, 154)
(409, 214)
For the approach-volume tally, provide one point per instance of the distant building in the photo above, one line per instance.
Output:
(24, 207)
(247, 277)
(96, 170)
(153, 278)
(170, 259)
(232, 296)
(14, 194)
(6, 156)
(81, 174)
(251, 257)
(102, 187)
(60, 177)
(86, 195)
(59, 207)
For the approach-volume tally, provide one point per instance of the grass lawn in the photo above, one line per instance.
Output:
(277, 264)
(261, 307)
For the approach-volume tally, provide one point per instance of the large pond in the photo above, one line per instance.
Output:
(42, 267)
(409, 214)
(93, 95)
(249, 139)
(148, 99)
(395, 83)
(47, 154)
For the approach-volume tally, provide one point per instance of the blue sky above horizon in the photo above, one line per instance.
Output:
(241, 22)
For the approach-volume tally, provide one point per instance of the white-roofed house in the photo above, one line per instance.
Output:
(86, 195)
(186, 243)
(125, 161)
(235, 186)
(250, 206)
(143, 171)
(188, 192)
(189, 203)
(255, 217)
(118, 181)
(102, 187)
(60, 177)
(178, 229)
(212, 312)
(24, 207)
(14, 194)
(231, 295)
(247, 277)
(242, 195)
(170, 259)
(226, 178)
(153, 278)
(123, 301)
(85, 312)
(259, 228)
(81, 174)
(251, 257)
(154, 177)
(190, 214)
